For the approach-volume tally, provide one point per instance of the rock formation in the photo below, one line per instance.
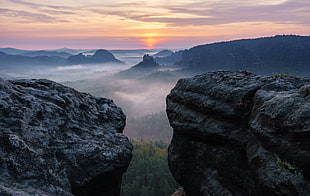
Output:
(236, 133)
(142, 69)
(58, 141)
(147, 64)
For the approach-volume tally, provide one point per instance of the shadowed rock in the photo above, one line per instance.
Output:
(58, 141)
(236, 133)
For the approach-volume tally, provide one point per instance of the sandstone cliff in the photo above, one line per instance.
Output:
(58, 141)
(236, 133)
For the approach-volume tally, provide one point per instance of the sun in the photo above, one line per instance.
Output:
(150, 40)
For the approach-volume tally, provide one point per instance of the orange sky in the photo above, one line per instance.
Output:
(121, 24)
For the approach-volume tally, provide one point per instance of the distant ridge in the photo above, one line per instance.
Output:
(47, 53)
(14, 51)
(163, 53)
(171, 59)
(100, 56)
(9, 60)
(268, 55)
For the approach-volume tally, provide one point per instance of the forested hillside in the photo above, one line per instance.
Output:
(154, 127)
(270, 55)
(148, 173)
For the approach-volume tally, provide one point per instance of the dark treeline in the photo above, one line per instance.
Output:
(148, 173)
(267, 56)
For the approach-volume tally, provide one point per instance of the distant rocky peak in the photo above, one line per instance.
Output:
(148, 59)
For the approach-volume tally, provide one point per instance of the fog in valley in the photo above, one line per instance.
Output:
(142, 101)
(141, 98)
(139, 83)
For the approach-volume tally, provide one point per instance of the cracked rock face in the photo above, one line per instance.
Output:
(58, 141)
(236, 133)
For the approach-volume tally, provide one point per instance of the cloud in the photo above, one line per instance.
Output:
(205, 13)
(36, 12)
(206, 19)
(38, 6)
(27, 16)
(178, 14)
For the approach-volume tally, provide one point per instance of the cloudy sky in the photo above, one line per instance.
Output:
(121, 24)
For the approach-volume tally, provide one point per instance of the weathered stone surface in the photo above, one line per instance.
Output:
(58, 141)
(236, 133)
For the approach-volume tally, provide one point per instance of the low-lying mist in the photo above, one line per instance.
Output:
(142, 99)
(136, 97)
(61, 73)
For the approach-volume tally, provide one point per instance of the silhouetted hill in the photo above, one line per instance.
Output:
(14, 51)
(100, 56)
(7, 60)
(147, 63)
(147, 66)
(170, 59)
(278, 54)
(47, 53)
(163, 53)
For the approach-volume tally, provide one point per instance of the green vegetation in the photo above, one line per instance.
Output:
(154, 127)
(148, 173)
(281, 75)
(286, 165)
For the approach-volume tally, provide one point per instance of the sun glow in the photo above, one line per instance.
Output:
(151, 39)
(54, 24)
(149, 42)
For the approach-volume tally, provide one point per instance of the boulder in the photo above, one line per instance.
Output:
(58, 141)
(236, 133)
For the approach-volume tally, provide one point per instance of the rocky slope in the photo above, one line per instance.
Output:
(236, 133)
(58, 141)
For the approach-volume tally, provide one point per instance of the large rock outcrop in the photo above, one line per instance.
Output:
(236, 133)
(58, 141)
